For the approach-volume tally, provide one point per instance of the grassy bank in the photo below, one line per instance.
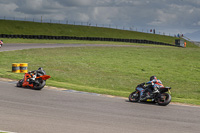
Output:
(113, 70)
(33, 28)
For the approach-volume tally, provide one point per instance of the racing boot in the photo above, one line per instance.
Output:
(155, 90)
(143, 97)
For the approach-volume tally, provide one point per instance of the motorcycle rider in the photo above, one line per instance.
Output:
(156, 84)
(36, 73)
(1, 43)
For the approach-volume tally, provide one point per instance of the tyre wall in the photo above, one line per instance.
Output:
(83, 38)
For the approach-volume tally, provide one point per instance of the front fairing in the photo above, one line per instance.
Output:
(165, 89)
(140, 89)
(25, 82)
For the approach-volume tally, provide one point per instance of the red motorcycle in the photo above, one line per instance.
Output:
(37, 84)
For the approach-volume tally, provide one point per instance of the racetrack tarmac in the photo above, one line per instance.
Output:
(20, 46)
(53, 110)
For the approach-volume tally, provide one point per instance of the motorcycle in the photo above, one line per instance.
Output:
(1, 43)
(37, 84)
(161, 97)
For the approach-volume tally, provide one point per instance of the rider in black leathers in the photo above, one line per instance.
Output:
(156, 84)
(36, 73)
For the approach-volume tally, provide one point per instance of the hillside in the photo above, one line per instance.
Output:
(34, 28)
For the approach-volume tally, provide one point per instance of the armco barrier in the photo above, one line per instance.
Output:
(82, 38)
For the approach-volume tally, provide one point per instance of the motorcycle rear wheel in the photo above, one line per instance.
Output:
(164, 99)
(134, 96)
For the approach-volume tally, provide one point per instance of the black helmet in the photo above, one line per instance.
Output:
(40, 68)
(152, 78)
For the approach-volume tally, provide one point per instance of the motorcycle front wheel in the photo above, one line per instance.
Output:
(40, 85)
(164, 99)
(19, 83)
(134, 96)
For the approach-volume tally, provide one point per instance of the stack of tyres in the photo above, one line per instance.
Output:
(23, 67)
(16, 67)
(20, 67)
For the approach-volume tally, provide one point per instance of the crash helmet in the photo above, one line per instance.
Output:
(152, 78)
(40, 68)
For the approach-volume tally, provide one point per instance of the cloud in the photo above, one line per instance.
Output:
(167, 15)
(77, 3)
(197, 23)
(163, 18)
(7, 8)
(34, 7)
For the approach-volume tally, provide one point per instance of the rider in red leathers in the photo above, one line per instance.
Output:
(1, 43)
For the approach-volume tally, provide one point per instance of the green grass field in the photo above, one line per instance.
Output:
(113, 70)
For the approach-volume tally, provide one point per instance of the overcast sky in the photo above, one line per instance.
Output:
(166, 16)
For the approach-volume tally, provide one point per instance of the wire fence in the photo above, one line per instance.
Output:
(112, 26)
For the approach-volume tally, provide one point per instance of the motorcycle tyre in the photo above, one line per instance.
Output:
(135, 99)
(39, 87)
(166, 102)
(19, 83)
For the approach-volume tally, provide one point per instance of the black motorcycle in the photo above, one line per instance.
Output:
(160, 97)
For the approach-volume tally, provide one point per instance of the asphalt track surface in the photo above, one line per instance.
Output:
(10, 47)
(54, 110)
